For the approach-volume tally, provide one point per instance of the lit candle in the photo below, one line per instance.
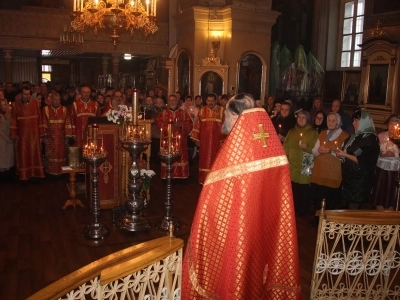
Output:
(102, 141)
(387, 144)
(135, 106)
(301, 136)
(280, 126)
(336, 145)
(169, 135)
(95, 127)
(161, 139)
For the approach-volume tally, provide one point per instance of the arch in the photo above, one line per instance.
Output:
(183, 70)
(251, 74)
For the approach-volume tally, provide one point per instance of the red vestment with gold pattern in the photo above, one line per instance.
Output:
(207, 131)
(182, 123)
(25, 125)
(243, 241)
(56, 126)
(80, 112)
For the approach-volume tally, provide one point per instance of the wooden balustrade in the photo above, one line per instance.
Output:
(150, 269)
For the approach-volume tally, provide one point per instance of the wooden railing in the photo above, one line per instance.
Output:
(151, 270)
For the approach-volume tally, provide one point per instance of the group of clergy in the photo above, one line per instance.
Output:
(41, 133)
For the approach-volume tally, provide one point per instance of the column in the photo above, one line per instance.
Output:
(8, 65)
(169, 65)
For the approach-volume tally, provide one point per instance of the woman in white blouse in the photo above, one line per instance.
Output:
(384, 193)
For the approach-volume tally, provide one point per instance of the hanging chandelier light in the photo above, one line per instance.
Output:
(71, 38)
(115, 15)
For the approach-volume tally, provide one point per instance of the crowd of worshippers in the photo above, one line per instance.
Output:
(336, 157)
(332, 155)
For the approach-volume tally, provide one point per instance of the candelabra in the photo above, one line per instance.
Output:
(95, 157)
(169, 154)
(135, 141)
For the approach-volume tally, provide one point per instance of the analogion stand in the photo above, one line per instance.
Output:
(72, 186)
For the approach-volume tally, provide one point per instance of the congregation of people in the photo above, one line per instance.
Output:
(332, 155)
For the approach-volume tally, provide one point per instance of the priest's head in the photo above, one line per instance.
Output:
(85, 93)
(172, 102)
(235, 106)
(55, 100)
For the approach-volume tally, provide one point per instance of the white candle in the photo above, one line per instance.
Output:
(135, 106)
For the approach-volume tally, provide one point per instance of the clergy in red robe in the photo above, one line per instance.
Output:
(243, 241)
(56, 127)
(81, 110)
(182, 124)
(207, 134)
(25, 124)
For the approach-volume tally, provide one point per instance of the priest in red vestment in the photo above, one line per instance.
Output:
(182, 124)
(81, 110)
(56, 127)
(24, 127)
(207, 134)
(243, 241)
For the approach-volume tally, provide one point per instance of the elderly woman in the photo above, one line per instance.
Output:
(359, 157)
(384, 193)
(298, 145)
(327, 172)
(6, 144)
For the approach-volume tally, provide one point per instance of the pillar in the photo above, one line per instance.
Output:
(8, 65)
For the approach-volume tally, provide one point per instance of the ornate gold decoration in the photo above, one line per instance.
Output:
(116, 16)
(261, 135)
(377, 32)
(105, 168)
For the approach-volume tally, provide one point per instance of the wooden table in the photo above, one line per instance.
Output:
(72, 187)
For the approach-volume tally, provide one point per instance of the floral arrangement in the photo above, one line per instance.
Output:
(146, 176)
(120, 116)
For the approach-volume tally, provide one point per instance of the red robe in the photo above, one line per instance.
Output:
(243, 241)
(25, 124)
(207, 131)
(180, 169)
(56, 126)
(80, 112)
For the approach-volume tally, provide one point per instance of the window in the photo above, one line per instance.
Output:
(46, 68)
(46, 73)
(353, 24)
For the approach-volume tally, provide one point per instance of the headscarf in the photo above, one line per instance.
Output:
(337, 127)
(365, 128)
(306, 113)
(323, 125)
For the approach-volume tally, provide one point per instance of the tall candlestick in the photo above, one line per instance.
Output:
(135, 106)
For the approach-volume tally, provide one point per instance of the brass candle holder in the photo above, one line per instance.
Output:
(169, 154)
(95, 157)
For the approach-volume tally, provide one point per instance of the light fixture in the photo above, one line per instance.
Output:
(46, 52)
(115, 15)
(71, 38)
(127, 56)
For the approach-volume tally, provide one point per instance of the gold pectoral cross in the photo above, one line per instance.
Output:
(261, 135)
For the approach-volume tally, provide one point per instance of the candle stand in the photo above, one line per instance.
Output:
(132, 219)
(164, 223)
(95, 157)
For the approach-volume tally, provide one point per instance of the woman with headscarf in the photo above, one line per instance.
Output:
(359, 157)
(298, 145)
(327, 172)
(320, 121)
(384, 193)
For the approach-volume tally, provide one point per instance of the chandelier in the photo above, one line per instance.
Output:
(71, 38)
(114, 15)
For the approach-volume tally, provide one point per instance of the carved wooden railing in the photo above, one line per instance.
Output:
(357, 255)
(151, 270)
